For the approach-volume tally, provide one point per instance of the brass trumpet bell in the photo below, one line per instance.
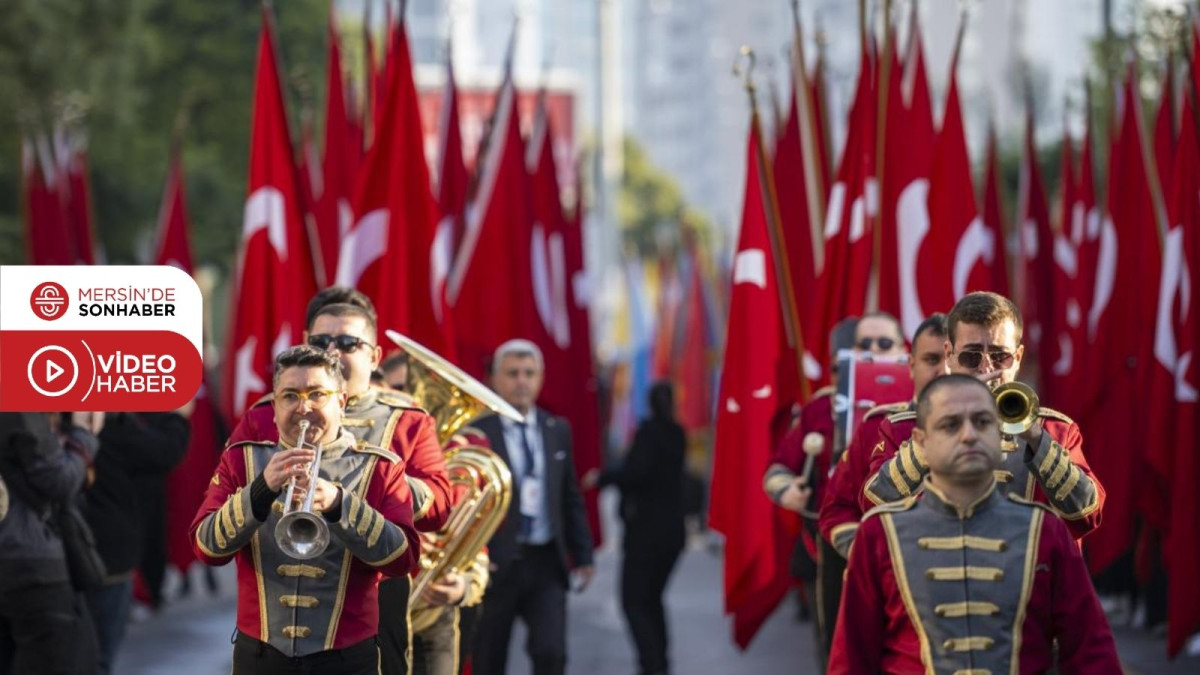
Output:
(1018, 405)
(300, 533)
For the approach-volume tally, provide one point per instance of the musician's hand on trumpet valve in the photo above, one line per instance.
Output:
(326, 497)
(286, 465)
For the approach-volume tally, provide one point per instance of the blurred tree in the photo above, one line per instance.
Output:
(134, 66)
(651, 207)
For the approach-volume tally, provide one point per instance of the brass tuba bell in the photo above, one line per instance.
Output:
(1018, 405)
(477, 474)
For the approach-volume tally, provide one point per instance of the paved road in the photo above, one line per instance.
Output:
(192, 636)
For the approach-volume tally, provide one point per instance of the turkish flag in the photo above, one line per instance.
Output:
(802, 178)
(483, 289)
(391, 252)
(275, 276)
(1164, 124)
(1062, 367)
(756, 550)
(188, 481)
(1123, 308)
(48, 238)
(584, 413)
(958, 255)
(1181, 552)
(993, 218)
(909, 156)
(1035, 280)
(454, 181)
(548, 266)
(342, 155)
(853, 206)
(75, 193)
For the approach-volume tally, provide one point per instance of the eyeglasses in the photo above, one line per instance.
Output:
(885, 343)
(973, 359)
(344, 343)
(289, 399)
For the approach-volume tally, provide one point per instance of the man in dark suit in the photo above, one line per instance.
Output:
(545, 540)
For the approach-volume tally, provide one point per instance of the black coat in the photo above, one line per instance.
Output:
(135, 448)
(568, 516)
(651, 484)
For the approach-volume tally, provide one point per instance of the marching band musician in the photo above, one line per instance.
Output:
(877, 333)
(1048, 466)
(444, 648)
(840, 510)
(320, 615)
(343, 321)
(960, 578)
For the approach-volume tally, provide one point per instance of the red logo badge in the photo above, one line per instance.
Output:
(49, 301)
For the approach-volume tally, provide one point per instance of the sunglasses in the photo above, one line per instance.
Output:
(344, 343)
(885, 343)
(973, 359)
(289, 399)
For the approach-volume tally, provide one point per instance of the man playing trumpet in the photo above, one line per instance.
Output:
(1045, 465)
(319, 614)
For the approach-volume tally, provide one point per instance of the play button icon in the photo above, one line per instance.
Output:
(52, 370)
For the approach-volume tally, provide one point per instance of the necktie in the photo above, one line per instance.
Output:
(527, 454)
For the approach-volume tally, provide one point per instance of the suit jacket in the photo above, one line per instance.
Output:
(568, 516)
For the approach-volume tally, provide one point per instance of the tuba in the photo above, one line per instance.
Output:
(477, 474)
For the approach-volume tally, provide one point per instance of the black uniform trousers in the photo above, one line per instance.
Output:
(533, 588)
(645, 569)
(395, 641)
(254, 657)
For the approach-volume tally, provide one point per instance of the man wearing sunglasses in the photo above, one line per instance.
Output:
(1048, 465)
(880, 334)
(342, 321)
(840, 508)
(319, 615)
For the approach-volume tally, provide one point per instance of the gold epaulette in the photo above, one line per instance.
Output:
(902, 416)
(390, 456)
(398, 399)
(893, 507)
(829, 390)
(1051, 413)
(1019, 499)
(265, 399)
(887, 408)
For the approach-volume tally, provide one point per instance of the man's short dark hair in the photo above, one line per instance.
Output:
(338, 295)
(880, 314)
(344, 309)
(935, 325)
(951, 380)
(984, 308)
(304, 356)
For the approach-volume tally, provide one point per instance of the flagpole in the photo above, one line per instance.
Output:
(814, 186)
(885, 59)
(783, 276)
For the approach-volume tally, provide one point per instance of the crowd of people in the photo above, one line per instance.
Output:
(937, 536)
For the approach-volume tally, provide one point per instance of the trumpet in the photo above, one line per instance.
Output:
(300, 533)
(1018, 405)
